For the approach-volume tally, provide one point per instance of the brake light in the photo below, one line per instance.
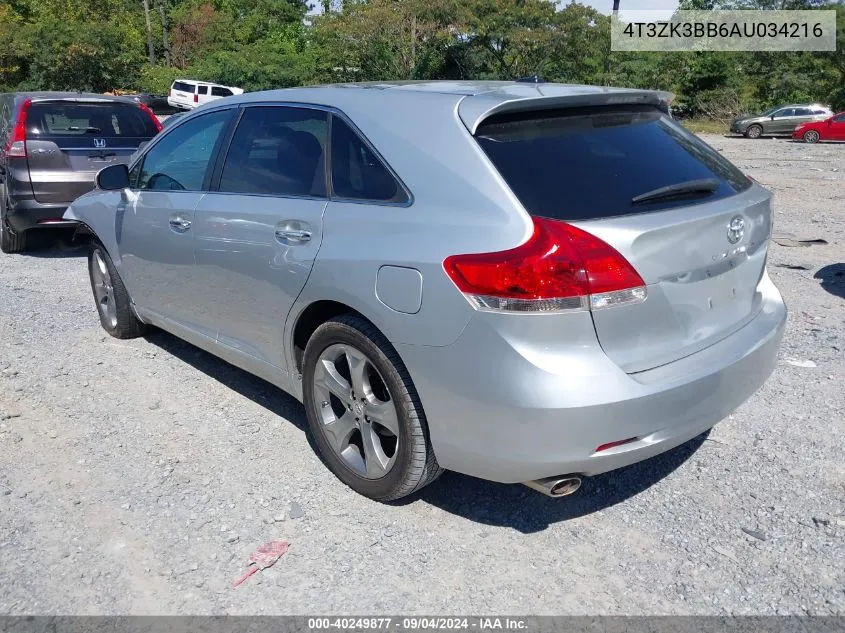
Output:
(559, 268)
(196, 98)
(156, 122)
(16, 145)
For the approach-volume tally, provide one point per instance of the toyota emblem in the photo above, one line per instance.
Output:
(736, 229)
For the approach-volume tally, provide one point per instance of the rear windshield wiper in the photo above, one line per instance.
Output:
(690, 188)
(74, 128)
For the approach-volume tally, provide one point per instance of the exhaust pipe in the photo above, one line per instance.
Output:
(559, 486)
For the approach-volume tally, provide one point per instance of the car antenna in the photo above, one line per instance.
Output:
(532, 79)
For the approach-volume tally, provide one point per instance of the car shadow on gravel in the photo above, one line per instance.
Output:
(249, 386)
(45, 244)
(485, 502)
(832, 279)
(518, 507)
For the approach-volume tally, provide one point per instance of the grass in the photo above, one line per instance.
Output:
(705, 126)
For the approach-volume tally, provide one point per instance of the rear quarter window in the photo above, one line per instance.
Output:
(580, 164)
(102, 120)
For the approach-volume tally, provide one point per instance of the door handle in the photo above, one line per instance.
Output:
(293, 236)
(179, 223)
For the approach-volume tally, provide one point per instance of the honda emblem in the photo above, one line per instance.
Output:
(99, 142)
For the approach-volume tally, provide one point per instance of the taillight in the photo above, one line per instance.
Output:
(559, 268)
(196, 98)
(16, 145)
(156, 122)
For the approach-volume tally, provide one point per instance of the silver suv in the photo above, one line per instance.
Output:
(779, 121)
(525, 283)
(51, 147)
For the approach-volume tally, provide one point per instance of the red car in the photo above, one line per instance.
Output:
(831, 129)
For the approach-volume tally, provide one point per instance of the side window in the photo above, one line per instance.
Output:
(784, 112)
(839, 118)
(219, 91)
(802, 112)
(203, 90)
(277, 150)
(357, 173)
(179, 161)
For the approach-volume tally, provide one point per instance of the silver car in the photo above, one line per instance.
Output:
(524, 283)
(779, 121)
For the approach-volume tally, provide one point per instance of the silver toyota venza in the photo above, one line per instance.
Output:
(522, 282)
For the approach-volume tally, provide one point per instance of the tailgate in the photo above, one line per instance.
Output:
(701, 287)
(69, 141)
(691, 224)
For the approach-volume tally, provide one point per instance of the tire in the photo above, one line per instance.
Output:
(111, 299)
(351, 340)
(754, 131)
(9, 242)
(811, 136)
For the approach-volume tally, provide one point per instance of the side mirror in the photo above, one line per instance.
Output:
(113, 178)
(141, 146)
(772, 117)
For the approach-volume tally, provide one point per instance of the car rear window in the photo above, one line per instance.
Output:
(103, 120)
(580, 164)
(182, 86)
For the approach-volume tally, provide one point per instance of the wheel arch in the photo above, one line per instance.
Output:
(308, 318)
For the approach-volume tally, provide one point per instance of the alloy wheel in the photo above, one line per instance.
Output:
(358, 415)
(103, 289)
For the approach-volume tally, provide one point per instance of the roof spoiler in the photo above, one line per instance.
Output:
(473, 110)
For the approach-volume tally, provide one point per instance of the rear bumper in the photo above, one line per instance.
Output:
(507, 412)
(24, 215)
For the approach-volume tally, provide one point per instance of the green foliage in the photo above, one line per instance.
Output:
(258, 44)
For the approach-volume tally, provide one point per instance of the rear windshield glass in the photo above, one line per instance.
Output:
(583, 164)
(181, 85)
(103, 120)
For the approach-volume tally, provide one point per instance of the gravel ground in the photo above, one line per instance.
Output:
(138, 476)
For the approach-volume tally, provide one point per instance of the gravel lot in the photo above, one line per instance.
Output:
(138, 476)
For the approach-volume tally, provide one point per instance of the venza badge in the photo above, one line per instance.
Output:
(736, 229)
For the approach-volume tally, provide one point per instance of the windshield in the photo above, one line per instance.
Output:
(603, 162)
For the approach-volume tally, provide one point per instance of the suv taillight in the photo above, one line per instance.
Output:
(196, 98)
(559, 268)
(152, 115)
(16, 145)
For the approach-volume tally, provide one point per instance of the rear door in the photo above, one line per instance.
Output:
(257, 236)
(69, 141)
(702, 254)
(202, 94)
(836, 129)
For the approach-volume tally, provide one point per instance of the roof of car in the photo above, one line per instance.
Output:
(200, 83)
(36, 95)
(476, 100)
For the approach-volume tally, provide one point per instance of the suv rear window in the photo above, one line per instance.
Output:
(580, 164)
(182, 86)
(103, 120)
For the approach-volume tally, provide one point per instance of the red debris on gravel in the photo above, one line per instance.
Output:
(262, 558)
